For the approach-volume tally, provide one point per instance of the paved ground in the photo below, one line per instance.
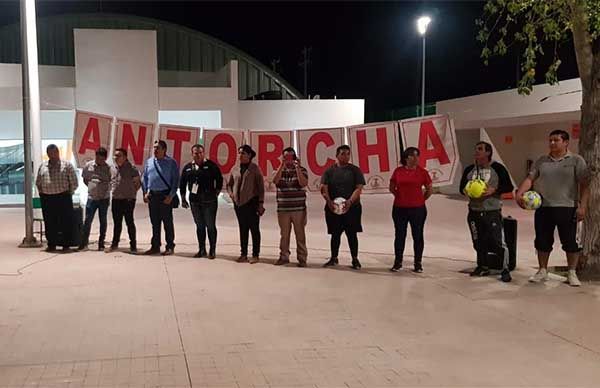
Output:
(105, 320)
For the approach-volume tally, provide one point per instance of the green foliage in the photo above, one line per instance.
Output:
(531, 25)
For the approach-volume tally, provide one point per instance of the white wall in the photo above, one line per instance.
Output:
(300, 114)
(117, 73)
(545, 104)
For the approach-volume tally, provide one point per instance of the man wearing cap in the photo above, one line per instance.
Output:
(247, 191)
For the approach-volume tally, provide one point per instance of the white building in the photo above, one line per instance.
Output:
(147, 70)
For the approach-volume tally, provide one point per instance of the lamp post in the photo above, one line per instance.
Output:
(422, 24)
(31, 111)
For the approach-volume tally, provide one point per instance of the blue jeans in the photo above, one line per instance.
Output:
(90, 211)
(205, 218)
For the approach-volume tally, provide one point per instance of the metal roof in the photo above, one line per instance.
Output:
(179, 49)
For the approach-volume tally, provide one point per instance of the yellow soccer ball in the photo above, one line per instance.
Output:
(532, 200)
(475, 188)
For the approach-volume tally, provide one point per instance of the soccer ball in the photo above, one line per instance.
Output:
(532, 200)
(338, 205)
(475, 188)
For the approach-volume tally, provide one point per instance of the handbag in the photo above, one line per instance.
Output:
(175, 199)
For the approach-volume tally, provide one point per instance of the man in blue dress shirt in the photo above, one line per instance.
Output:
(160, 183)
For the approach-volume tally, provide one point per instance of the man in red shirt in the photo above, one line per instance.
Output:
(407, 185)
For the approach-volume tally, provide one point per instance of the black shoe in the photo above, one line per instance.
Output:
(418, 269)
(200, 254)
(356, 264)
(331, 263)
(301, 264)
(168, 252)
(110, 249)
(211, 255)
(67, 250)
(505, 276)
(133, 248)
(82, 248)
(480, 271)
(152, 251)
(396, 268)
(51, 248)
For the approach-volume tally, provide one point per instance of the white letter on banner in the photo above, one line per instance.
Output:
(269, 146)
(435, 138)
(221, 145)
(375, 152)
(136, 138)
(316, 148)
(91, 131)
(180, 140)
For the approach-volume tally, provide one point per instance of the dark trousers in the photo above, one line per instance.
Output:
(123, 208)
(161, 213)
(336, 238)
(90, 211)
(249, 221)
(57, 210)
(487, 235)
(547, 219)
(205, 218)
(403, 216)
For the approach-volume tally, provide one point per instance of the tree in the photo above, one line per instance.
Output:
(535, 25)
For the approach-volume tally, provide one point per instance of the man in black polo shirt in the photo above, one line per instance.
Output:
(204, 180)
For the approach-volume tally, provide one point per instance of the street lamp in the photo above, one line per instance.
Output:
(422, 24)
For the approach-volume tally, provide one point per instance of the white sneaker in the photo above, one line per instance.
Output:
(572, 278)
(540, 276)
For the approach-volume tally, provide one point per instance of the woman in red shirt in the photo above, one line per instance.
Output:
(407, 185)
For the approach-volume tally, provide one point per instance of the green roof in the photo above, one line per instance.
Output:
(179, 49)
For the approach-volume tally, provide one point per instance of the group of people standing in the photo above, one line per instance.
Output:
(560, 177)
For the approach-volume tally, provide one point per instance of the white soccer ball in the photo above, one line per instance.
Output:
(532, 200)
(338, 205)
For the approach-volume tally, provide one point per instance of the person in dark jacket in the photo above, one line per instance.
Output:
(485, 213)
(247, 191)
(204, 180)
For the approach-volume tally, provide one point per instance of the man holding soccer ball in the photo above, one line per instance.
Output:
(341, 186)
(484, 182)
(561, 178)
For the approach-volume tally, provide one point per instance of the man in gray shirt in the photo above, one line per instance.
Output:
(485, 213)
(96, 176)
(562, 179)
(125, 183)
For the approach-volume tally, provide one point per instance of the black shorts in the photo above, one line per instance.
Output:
(347, 222)
(562, 218)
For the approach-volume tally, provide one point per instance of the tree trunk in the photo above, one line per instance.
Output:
(589, 148)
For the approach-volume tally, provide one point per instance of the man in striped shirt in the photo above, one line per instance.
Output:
(291, 179)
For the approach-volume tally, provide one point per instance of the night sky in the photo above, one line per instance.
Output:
(367, 50)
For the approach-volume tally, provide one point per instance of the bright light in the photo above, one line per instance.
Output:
(422, 24)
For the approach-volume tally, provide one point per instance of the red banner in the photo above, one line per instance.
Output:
(136, 138)
(375, 150)
(179, 140)
(91, 132)
(221, 145)
(316, 149)
(269, 146)
(435, 138)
